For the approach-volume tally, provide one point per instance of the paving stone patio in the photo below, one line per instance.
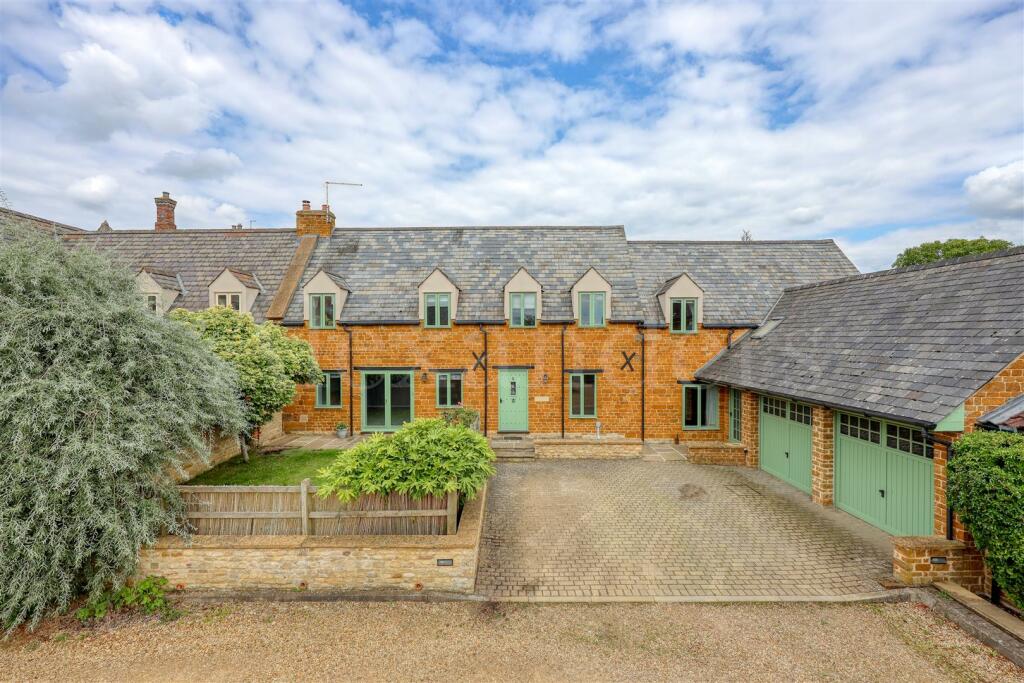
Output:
(646, 528)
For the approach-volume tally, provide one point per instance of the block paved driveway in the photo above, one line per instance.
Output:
(592, 529)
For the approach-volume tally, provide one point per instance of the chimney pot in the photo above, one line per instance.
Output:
(323, 207)
(305, 205)
(165, 213)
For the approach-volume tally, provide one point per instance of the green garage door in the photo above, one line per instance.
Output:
(786, 441)
(884, 474)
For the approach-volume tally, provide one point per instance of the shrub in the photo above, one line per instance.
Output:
(461, 415)
(100, 402)
(424, 457)
(148, 596)
(986, 489)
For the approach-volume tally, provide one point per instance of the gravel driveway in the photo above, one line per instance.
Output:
(504, 641)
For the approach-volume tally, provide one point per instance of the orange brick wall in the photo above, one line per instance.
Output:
(670, 358)
(822, 454)
(1009, 383)
(750, 427)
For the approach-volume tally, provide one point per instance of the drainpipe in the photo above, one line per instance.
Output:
(351, 382)
(561, 380)
(487, 361)
(643, 384)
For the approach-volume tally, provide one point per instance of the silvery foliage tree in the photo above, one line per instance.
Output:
(100, 401)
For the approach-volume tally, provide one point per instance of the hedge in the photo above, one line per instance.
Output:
(986, 489)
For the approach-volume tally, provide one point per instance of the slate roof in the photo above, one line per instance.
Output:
(199, 256)
(17, 218)
(741, 280)
(383, 268)
(911, 344)
(165, 279)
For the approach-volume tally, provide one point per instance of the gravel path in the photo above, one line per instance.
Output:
(491, 641)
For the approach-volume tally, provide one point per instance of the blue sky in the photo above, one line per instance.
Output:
(878, 124)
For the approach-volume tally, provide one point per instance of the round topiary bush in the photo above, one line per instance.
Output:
(424, 457)
(986, 489)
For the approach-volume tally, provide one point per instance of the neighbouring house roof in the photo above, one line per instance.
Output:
(166, 279)
(1009, 416)
(383, 268)
(260, 258)
(911, 344)
(17, 218)
(740, 280)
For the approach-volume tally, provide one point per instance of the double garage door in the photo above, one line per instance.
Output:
(883, 471)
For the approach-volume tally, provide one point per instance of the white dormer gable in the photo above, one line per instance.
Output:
(325, 282)
(591, 281)
(166, 287)
(235, 282)
(680, 287)
(438, 282)
(522, 281)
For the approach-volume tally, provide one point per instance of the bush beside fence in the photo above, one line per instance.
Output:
(296, 510)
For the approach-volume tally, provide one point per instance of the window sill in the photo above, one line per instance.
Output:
(328, 407)
(583, 417)
(683, 331)
(700, 429)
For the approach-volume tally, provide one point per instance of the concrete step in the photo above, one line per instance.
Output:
(513, 454)
(513, 448)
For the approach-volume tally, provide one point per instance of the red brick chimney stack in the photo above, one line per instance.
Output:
(165, 213)
(309, 221)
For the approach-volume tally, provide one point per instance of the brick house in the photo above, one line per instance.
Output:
(856, 388)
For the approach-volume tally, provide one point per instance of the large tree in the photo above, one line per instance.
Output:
(952, 248)
(100, 402)
(268, 361)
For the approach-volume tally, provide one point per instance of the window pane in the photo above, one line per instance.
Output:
(691, 315)
(702, 407)
(575, 397)
(584, 309)
(321, 394)
(442, 390)
(530, 309)
(236, 302)
(443, 309)
(316, 311)
(431, 310)
(455, 382)
(328, 310)
(677, 315)
(598, 316)
(401, 399)
(691, 397)
(376, 399)
(590, 395)
(222, 299)
(335, 386)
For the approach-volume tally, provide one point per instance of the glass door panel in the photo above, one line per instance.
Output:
(375, 392)
(401, 400)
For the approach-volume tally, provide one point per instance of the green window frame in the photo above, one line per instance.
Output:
(735, 415)
(449, 389)
(321, 311)
(592, 313)
(522, 309)
(230, 300)
(329, 392)
(437, 309)
(700, 406)
(684, 316)
(583, 395)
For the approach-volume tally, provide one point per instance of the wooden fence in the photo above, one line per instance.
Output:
(295, 510)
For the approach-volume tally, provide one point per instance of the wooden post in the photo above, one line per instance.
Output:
(304, 505)
(453, 511)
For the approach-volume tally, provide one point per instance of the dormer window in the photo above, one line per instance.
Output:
(437, 308)
(684, 315)
(523, 309)
(230, 300)
(321, 311)
(592, 309)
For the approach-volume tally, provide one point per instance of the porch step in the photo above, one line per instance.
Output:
(514, 448)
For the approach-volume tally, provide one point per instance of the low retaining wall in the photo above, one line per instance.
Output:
(602, 449)
(717, 453)
(356, 563)
(224, 448)
(922, 560)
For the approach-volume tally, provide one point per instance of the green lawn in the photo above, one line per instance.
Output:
(287, 468)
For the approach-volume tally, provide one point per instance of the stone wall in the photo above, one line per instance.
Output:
(225, 447)
(717, 453)
(670, 358)
(347, 563)
(921, 560)
(605, 449)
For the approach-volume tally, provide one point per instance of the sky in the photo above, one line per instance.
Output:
(878, 124)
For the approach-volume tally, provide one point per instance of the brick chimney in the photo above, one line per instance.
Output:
(165, 213)
(314, 221)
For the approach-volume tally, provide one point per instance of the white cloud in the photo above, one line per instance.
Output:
(197, 211)
(998, 191)
(198, 165)
(95, 191)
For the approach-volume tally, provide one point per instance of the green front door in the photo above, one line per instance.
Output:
(513, 401)
(884, 474)
(786, 441)
(387, 400)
